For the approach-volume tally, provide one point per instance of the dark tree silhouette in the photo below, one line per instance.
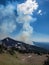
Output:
(1, 47)
(11, 50)
(46, 62)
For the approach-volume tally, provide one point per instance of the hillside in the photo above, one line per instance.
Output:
(20, 46)
(13, 52)
(22, 59)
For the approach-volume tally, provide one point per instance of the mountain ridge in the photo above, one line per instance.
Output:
(21, 46)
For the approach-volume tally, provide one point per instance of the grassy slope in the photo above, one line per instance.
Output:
(21, 59)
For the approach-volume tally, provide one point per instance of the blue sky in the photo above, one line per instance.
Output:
(25, 20)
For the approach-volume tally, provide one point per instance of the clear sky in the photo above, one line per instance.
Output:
(25, 20)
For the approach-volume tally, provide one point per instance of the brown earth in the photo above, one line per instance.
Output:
(22, 59)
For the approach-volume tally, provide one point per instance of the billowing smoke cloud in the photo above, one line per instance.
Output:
(8, 19)
(25, 12)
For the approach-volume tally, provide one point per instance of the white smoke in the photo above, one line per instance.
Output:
(25, 12)
(7, 20)
(25, 16)
(27, 8)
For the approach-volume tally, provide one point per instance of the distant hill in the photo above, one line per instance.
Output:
(21, 46)
(44, 45)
